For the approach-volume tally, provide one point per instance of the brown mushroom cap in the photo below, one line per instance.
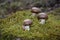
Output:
(27, 22)
(42, 16)
(35, 10)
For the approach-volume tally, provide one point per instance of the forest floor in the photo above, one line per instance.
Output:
(12, 25)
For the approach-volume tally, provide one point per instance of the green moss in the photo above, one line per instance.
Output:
(13, 26)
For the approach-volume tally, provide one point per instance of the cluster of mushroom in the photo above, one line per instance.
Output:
(42, 17)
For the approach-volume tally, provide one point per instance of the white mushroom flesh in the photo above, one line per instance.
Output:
(27, 28)
(42, 21)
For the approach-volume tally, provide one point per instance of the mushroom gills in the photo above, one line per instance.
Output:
(42, 21)
(27, 28)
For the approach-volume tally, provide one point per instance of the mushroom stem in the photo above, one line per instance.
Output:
(33, 14)
(27, 28)
(42, 21)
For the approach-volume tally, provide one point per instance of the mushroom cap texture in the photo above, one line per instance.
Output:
(35, 10)
(27, 22)
(42, 16)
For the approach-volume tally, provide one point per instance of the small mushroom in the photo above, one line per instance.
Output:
(26, 24)
(42, 17)
(35, 10)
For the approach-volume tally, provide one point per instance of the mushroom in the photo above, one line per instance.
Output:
(42, 17)
(35, 10)
(26, 24)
